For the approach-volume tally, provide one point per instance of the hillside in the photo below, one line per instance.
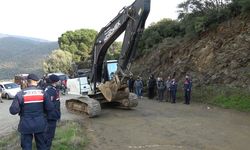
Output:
(219, 56)
(22, 55)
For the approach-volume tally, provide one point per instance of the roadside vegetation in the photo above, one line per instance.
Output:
(69, 136)
(226, 97)
(218, 95)
(195, 18)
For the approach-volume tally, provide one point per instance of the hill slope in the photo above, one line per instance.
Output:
(22, 55)
(220, 56)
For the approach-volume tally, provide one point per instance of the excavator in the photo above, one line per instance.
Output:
(108, 79)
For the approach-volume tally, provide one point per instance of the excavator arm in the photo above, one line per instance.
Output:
(130, 19)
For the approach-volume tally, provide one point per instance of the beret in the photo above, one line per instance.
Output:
(32, 77)
(53, 78)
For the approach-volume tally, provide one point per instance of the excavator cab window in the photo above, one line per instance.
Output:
(111, 68)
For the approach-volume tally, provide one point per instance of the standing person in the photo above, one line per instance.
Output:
(168, 93)
(173, 90)
(131, 84)
(151, 86)
(138, 87)
(1, 100)
(55, 114)
(31, 104)
(187, 89)
(161, 89)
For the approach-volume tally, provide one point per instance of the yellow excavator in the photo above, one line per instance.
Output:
(108, 79)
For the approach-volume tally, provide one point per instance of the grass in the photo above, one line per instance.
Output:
(69, 135)
(226, 97)
(222, 96)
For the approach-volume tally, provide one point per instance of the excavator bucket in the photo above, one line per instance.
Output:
(114, 91)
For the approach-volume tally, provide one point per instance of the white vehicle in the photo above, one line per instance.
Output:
(9, 89)
(78, 86)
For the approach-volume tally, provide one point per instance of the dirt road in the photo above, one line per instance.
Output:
(158, 126)
(165, 126)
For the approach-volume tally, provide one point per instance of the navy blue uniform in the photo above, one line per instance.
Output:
(31, 105)
(173, 90)
(187, 90)
(53, 115)
(151, 87)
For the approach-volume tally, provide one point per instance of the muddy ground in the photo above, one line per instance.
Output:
(158, 126)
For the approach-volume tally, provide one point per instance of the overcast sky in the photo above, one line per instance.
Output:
(48, 19)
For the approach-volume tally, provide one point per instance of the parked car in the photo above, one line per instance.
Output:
(9, 89)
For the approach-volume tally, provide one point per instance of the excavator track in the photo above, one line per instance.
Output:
(84, 105)
(132, 101)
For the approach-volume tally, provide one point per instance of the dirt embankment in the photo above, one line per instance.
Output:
(219, 56)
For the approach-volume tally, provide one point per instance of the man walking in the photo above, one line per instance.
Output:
(31, 104)
(54, 114)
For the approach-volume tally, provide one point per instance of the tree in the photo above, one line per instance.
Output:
(157, 32)
(79, 43)
(114, 51)
(197, 16)
(59, 61)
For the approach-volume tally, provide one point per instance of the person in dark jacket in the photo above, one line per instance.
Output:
(161, 88)
(31, 104)
(55, 114)
(151, 86)
(173, 90)
(187, 89)
(131, 84)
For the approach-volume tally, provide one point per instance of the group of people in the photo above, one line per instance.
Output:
(39, 111)
(166, 90)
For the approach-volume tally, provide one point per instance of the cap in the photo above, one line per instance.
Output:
(32, 77)
(53, 78)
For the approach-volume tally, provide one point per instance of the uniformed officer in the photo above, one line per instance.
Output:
(55, 114)
(187, 89)
(31, 104)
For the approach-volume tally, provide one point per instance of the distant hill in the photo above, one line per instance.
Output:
(22, 55)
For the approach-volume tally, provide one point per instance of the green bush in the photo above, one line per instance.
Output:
(157, 32)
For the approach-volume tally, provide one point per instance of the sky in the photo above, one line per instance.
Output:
(48, 19)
